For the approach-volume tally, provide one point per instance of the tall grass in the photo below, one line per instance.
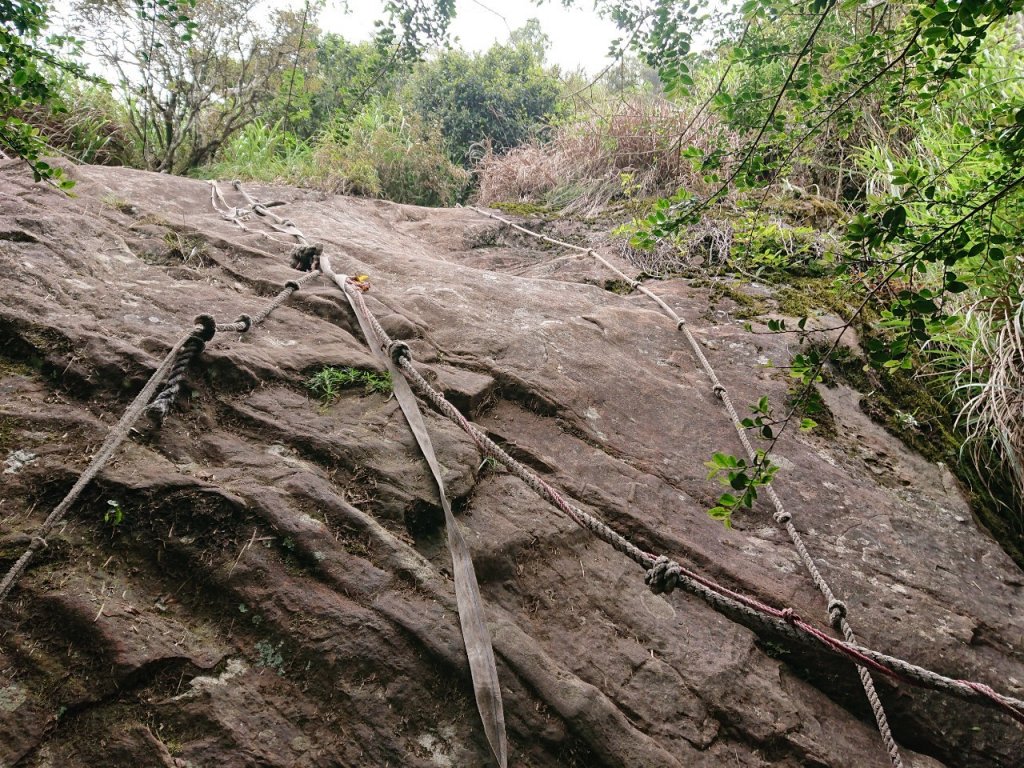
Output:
(979, 356)
(631, 148)
(980, 361)
(384, 152)
(264, 152)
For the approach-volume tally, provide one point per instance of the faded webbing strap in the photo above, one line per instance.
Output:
(475, 634)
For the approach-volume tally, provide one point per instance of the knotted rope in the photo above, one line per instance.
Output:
(194, 344)
(664, 575)
(115, 437)
(197, 340)
(836, 608)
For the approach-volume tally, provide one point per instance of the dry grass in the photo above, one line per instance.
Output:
(89, 130)
(631, 149)
(706, 244)
(994, 415)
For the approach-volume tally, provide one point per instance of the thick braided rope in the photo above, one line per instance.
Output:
(164, 401)
(836, 607)
(664, 575)
(194, 345)
(115, 437)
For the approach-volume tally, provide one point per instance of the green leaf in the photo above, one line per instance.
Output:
(739, 482)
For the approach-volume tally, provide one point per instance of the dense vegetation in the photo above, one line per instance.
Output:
(864, 154)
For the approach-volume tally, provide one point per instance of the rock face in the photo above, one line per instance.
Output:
(277, 592)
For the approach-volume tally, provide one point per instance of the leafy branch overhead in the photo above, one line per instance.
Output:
(910, 116)
(743, 480)
(29, 66)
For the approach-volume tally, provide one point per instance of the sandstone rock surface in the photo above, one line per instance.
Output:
(278, 591)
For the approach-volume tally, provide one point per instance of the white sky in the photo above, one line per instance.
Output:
(579, 38)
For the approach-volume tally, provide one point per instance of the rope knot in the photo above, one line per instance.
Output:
(244, 323)
(782, 517)
(293, 285)
(207, 327)
(719, 390)
(305, 257)
(836, 611)
(680, 324)
(359, 282)
(38, 542)
(663, 575)
(397, 351)
(790, 616)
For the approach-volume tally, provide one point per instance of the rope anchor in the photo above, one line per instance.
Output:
(663, 577)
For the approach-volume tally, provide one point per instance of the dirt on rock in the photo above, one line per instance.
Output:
(275, 589)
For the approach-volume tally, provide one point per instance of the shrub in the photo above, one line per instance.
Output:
(384, 152)
(389, 153)
(498, 98)
(627, 149)
(89, 126)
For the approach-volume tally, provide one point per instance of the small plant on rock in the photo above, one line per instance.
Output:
(114, 515)
(328, 383)
(269, 655)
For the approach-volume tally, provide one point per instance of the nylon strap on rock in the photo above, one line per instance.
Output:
(115, 437)
(665, 575)
(285, 226)
(836, 607)
(475, 634)
(237, 215)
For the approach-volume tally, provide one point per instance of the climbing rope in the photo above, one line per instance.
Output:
(303, 257)
(173, 368)
(204, 329)
(475, 635)
(836, 607)
(663, 575)
(285, 226)
(237, 215)
(196, 342)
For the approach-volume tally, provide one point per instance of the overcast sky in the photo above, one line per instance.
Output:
(579, 38)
